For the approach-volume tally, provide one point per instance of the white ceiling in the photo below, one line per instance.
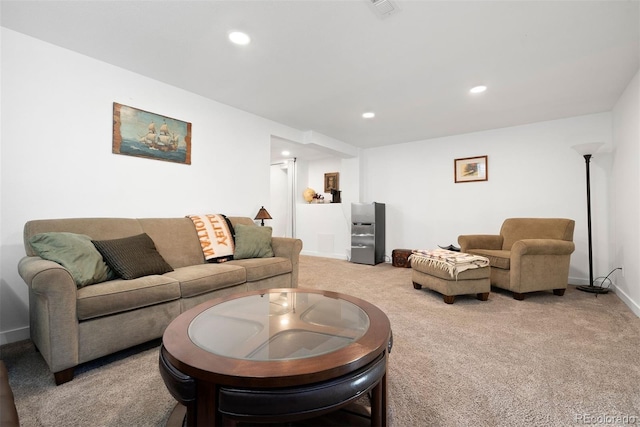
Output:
(319, 64)
(283, 149)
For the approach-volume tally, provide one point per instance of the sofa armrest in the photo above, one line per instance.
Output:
(53, 318)
(287, 247)
(480, 241)
(542, 247)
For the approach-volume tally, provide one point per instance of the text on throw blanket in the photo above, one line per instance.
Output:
(213, 234)
(218, 232)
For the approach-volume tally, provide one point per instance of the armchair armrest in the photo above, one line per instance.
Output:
(480, 241)
(542, 247)
(53, 318)
(539, 264)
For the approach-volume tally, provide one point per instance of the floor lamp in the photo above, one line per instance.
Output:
(587, 150)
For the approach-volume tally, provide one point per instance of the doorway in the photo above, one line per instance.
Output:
(282, 206)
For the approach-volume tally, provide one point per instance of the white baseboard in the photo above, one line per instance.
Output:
(578, 281)
(324, 255)
(14, 335)
(634, 306)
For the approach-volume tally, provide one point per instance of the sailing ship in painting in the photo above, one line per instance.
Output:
(143, 134)
(164, 140)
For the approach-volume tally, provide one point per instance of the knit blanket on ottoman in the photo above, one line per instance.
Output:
(452, 262)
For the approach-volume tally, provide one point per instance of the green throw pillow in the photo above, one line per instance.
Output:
(133, 257)
(76, 253)
(252, 242)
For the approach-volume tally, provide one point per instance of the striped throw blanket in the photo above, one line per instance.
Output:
(452, 262)
(216, 236)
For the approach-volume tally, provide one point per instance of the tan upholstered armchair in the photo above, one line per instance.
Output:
(529, 254)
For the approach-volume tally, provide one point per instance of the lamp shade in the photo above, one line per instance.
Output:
(262, 215)
(588, 148)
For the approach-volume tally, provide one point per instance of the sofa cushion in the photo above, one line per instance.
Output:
(252, 242)
(262, 268)
(96, 228)
(497, 258)
(76, 253)
(132, 257)
(175, 239)
(202, 278)
(116, 296)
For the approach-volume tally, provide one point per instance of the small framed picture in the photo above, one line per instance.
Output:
(471, 169)
(331, 181)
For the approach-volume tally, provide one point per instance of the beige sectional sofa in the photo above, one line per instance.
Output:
(73, 324)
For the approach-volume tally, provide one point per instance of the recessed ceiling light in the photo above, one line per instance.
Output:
(285, 153)
(240, 38)
(478, 89)
(369, 115)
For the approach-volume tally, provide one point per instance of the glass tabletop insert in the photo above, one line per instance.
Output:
(278, 325)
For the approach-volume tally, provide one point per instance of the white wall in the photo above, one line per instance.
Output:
(278, 207)
(324, 228)
(625, 198)
(532, 172)
(57, 161)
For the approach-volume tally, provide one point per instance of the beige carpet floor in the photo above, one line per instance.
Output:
(546, 361)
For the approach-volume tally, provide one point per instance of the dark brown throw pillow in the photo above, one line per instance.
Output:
(132, 257)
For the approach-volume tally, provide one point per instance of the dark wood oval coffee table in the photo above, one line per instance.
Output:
(276, 355)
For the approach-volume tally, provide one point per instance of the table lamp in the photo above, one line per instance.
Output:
(262, 215)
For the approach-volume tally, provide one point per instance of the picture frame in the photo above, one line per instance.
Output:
(331, 181)
(140, 133)
(471, 169)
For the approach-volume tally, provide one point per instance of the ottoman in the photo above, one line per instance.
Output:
(471, 281)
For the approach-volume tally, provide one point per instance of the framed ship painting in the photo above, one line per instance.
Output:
(143, 134)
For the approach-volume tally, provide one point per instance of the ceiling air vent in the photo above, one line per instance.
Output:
(384, 8)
